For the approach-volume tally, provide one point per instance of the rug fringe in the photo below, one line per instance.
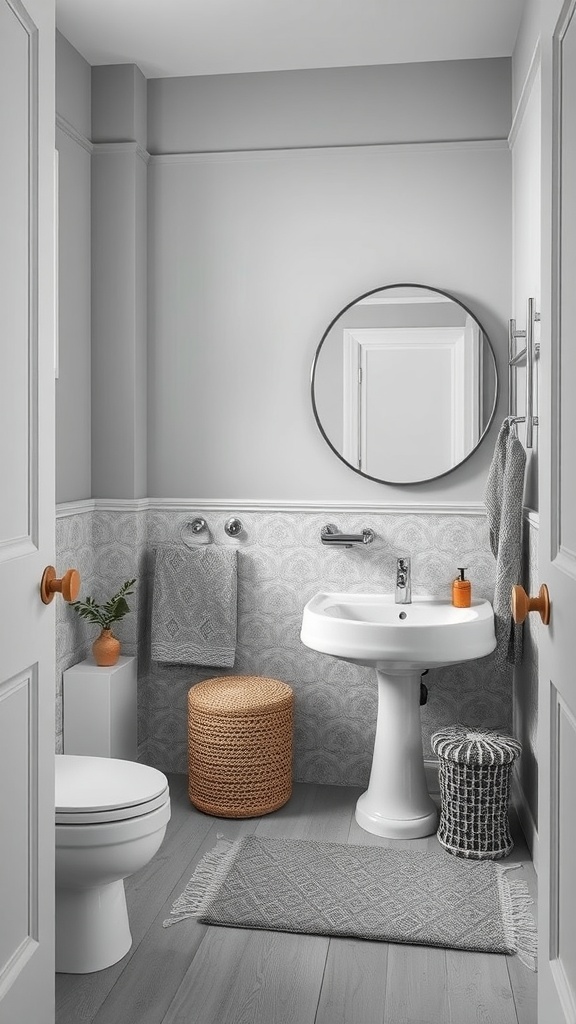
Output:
(519, 925)
(205, 881)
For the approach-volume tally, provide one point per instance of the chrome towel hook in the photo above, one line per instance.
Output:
(191, 532)
(233, 527)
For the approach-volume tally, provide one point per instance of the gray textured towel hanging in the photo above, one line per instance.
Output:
(504, 497)
(194, 603)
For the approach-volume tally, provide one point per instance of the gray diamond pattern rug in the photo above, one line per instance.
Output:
(366, 892)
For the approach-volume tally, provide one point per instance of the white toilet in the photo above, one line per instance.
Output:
(111, 817)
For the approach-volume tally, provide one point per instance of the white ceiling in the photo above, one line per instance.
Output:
(214, 37)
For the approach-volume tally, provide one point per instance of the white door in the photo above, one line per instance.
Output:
(26, 511)
(557, 445)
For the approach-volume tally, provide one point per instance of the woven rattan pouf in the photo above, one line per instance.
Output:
(240, 745)
(475, 791)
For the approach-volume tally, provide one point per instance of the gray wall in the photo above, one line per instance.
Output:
(73, 387)
(101, 417)
(73, 100)
(526, 49)
(119, 342)
(330, 107)
(119, 271)
(251, 254)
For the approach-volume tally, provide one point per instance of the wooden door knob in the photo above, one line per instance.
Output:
(68, 586)
(521, 604)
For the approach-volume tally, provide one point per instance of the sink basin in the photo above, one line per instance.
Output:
(399, 641)
(372, 630)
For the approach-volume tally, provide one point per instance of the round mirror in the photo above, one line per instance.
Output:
(404, 384)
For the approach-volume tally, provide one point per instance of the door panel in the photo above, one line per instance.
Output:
(26, 511)
(557, 555)
(566, 141)
(18, 710)
(564, 932)
(17, 128)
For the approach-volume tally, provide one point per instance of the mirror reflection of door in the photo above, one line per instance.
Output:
(422, 383)
(404, 384)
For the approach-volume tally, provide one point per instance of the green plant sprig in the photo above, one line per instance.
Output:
(105, 614)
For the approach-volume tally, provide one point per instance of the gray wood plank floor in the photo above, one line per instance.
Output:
(196, 974)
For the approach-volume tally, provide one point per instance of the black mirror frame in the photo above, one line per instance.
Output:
(360, 472)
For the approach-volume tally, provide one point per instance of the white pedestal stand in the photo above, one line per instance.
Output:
(100, 709)
(397, 803)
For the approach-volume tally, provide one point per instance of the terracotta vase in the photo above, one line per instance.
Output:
(106, 649)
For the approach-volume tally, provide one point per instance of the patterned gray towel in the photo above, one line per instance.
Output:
(504, 497)
(194, 606)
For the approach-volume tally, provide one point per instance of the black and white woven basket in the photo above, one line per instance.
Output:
(475, 791)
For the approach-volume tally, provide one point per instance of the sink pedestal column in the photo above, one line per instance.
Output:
(397, 803)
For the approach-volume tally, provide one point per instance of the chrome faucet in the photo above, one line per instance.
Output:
(403, 581)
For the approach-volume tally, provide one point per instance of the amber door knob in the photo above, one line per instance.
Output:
(68, 586)
(521, 604)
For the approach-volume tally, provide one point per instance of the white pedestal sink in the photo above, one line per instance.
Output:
(400, 641)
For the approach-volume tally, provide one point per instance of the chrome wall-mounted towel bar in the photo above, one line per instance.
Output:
(526, 356)
(330, 534)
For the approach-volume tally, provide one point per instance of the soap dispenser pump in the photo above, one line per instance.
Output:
(461, 591)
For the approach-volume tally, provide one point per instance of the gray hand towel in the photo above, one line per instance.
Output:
(194, 606)
(504, 496)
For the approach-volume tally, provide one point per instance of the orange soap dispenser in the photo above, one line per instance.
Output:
(461, 591)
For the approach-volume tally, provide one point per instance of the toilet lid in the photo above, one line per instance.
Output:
(92, 789)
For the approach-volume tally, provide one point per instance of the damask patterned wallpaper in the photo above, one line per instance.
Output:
(281, 564)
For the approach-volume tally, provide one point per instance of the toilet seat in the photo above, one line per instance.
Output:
(93, 790)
